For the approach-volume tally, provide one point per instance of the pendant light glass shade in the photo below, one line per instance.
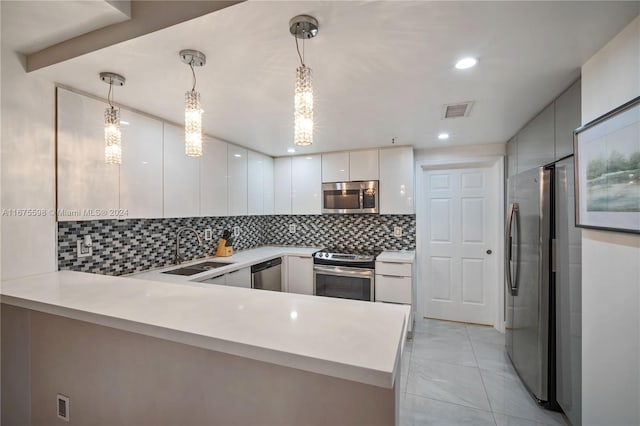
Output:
(112, 136)
(192, 124)
(112, 133)
(303, 107)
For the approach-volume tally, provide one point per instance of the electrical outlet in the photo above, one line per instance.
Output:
(236, 231)
(208, 234)
(83, 249)
(62, 403)
(397, 231)
(292, 228)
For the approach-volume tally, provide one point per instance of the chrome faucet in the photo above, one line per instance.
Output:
(178, 259)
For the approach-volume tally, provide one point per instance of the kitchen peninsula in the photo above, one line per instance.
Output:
(200, 355)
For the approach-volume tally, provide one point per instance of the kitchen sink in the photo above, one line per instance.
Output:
(197, 268)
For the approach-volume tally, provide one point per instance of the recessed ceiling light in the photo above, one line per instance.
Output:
(465, 63)
(237, 155)
(443, 136)
(126, 123)
(291, 150)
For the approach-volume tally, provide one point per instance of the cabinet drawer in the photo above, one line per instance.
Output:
(393, 289)
(391, 268)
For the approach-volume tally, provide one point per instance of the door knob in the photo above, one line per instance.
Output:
(489, 251)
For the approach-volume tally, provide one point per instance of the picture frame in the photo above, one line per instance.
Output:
(607, 168)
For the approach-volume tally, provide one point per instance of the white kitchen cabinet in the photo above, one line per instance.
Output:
(396, 181)
(363, 165)
(306, 184)
(237, 172)
(567, 119)
(282, 185)
(181, 176)
(335, 167)
(512, 156)
(393, 289)
(238, 278)
(268, 200)
(213, 178)
(260, 184)
(394, 281)
(300, 274)
(536, 141)
(87, 187)
(141, 168)
(219, 280)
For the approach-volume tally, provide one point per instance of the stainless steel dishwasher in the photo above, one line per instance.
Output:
(267, 275)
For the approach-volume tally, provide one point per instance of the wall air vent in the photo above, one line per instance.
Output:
(460, 109)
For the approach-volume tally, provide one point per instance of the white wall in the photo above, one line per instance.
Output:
(28, 170)
(611, 261)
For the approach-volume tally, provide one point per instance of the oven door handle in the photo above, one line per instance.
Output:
(340, 271)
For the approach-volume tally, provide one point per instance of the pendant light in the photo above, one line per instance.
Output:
(192, 109)
(303, 27)
(112, 133)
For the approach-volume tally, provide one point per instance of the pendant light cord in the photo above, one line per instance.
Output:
(194, 76)
(298, 49)
(109, 94)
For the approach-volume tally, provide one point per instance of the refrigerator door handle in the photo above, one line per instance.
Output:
(513, 214)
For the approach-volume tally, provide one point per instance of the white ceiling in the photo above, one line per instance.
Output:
(29, 26)
(381, 69)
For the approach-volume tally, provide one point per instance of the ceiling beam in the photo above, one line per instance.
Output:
(146, 17)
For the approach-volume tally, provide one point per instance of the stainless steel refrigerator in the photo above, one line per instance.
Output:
(543, 328)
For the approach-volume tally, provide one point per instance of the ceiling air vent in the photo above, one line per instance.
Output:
(461, 109)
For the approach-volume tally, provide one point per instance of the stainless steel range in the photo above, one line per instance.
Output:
(344, 273)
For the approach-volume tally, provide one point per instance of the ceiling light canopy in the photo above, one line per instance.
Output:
(112, 133)
(192, 109)
(303, 27)
(466, 63)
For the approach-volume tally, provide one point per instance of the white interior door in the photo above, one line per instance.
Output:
(461, 256)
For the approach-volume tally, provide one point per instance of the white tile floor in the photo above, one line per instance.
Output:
(457, 374)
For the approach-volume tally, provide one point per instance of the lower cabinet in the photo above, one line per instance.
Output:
(239, 278)
(299, 277)
(394, 284)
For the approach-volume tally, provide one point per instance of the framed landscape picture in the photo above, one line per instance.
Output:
(607, 164)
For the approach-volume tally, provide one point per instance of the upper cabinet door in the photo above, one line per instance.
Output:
(282, 185)
(237, 172)
(141, 169)
(181, 176)
(335, 167)
(363, 165)
(567, 120)
(512, 156)
(306, 184)
(396, 181)
(255, 201)
(268, 186)
(213, 178)
(87, 187)
(536, 142)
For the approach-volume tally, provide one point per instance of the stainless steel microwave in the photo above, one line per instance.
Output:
(350, 197)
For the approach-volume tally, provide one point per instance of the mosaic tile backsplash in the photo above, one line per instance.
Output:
(133, 245)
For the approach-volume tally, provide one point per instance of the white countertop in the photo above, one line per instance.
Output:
(354, 340)
(239, 260)
(407, 256)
